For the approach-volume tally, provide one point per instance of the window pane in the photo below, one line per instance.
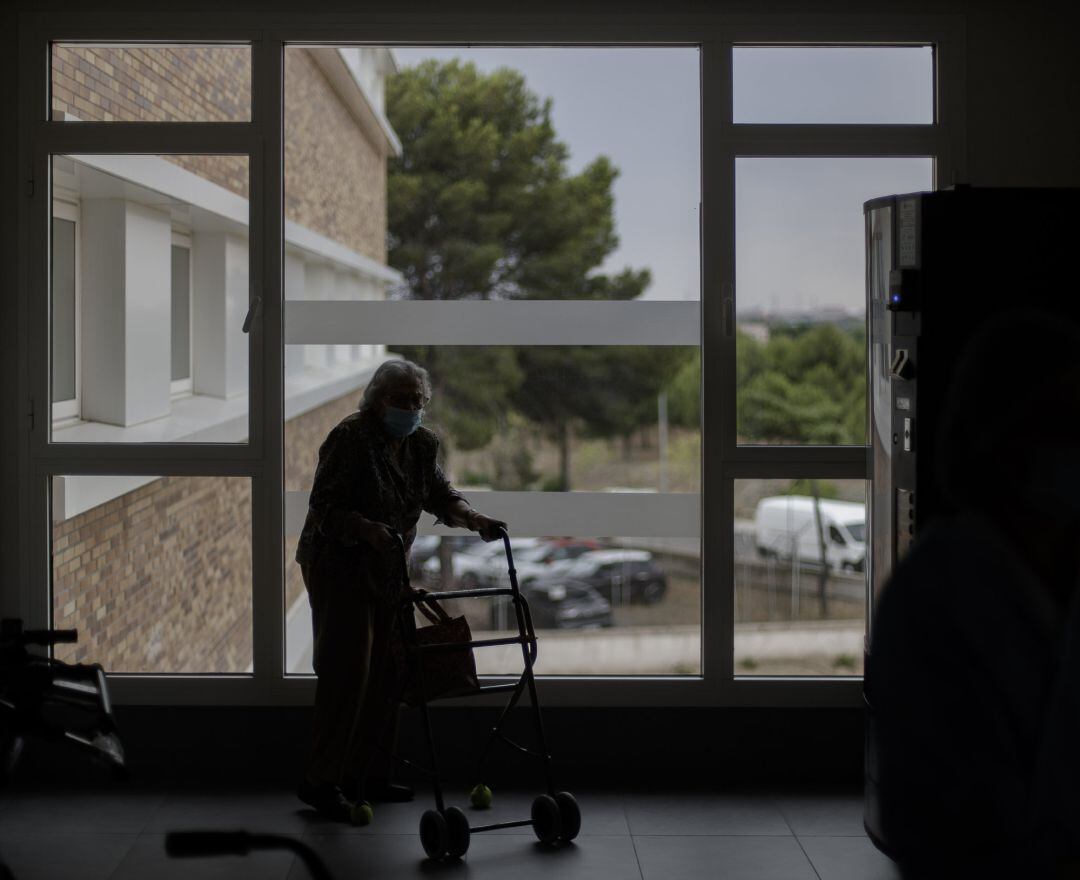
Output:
(151, 83)
(63, 309)
(489, 444)
(603, 606)
(536, 418)
(793, 615)
(154, 572)
(542, 185)
(800, 289)
(181, 313)
(505, 197)
(834, 84)
(133, 330)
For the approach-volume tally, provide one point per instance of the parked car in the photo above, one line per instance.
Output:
(478, 564)
(619, 575)
(567, 604)
(426, 546)
(548, 556)
(562, 549)
(785, 528)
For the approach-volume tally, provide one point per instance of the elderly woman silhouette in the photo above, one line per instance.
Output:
(377, 471)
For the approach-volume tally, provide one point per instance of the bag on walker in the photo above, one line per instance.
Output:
(446, 673)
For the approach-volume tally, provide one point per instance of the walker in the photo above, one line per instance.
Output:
(445, 832)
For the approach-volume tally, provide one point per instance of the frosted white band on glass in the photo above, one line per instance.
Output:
(577, 514)
(578, 322)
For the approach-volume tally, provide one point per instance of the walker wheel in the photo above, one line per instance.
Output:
(457, 830)
(569, 815)
(546, 821)
(433, 834)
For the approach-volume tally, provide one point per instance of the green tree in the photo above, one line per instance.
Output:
(799, 389)
(806, 385)
(471, 386)
(684, 392)
(604, 391)
(481, 206)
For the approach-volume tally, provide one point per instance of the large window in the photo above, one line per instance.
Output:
(546, 259)
(635, 274)
(815, 132)
(182, 82)
(153, 341)
(800, 577)
(153, 572)
(787, 85)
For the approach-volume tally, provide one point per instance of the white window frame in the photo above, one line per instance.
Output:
(261, 459)
(942, 140)
(68, 411)
(182, 387)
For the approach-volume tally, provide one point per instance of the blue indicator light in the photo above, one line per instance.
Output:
(896, 297)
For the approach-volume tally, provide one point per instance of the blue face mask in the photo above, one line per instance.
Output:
(401, 422)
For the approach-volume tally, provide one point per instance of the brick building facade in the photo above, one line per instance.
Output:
(335, 175)
(157, 577)
(335, 178)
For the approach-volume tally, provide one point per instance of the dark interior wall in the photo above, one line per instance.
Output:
(1022, 107)
(617, 748)
(10, 426)
(1023, 95)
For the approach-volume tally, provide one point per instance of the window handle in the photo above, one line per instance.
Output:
(253, 310)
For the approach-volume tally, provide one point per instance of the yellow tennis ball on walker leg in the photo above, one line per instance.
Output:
(480, 796)
(361, 813)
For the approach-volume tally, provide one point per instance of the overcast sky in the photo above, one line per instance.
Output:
(799, 222)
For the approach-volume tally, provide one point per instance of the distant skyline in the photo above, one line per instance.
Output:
(799, 221)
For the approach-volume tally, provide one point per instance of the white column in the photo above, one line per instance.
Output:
(126, 286)
(378, 288)
(347, 285)
(221, 291)
(319, 283)
(294, 289)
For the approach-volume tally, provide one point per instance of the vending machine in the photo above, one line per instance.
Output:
(937, 265)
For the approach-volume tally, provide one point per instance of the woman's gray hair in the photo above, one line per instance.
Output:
(389, 375)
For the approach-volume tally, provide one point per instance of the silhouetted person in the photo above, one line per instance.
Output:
(377, 470)
(973, 670)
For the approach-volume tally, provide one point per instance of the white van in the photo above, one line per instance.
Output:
(784, 528)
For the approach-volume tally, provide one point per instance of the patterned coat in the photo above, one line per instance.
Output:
(360, 474)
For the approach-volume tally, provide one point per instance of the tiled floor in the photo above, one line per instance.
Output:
(662, 836)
